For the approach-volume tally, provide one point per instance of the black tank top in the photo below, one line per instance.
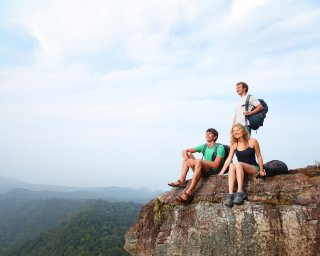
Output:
(247, 156)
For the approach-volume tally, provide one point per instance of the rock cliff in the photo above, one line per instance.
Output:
(280, 217)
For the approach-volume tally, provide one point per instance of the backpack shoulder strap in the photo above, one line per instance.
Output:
(216, 145)
(203, 151)
(247, 102)
(247, 107)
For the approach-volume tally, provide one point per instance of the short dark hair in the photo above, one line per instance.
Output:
(213, 131)
(244, 85)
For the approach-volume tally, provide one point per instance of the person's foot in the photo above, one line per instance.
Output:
(184, 198)
(229, 200)
(178, 184)
(240, 196)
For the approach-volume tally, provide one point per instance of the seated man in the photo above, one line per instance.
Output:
(205, 167)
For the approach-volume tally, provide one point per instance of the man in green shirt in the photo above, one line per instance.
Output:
(212, 162)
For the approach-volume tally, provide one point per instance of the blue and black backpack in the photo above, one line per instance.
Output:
(256, 120)
(275, 167)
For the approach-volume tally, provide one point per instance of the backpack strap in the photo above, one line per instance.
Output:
(216, 145)
(203, 151)
(247, 107)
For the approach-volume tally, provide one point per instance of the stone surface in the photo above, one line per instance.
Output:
(280, 217)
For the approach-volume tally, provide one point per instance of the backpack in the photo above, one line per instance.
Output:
(214, 154)
(275, 167)
(256, 120)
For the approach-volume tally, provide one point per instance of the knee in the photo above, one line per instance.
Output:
(189, 154)
(198, 164)
(232, 168)
(237, 166)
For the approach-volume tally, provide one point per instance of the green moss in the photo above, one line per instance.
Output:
(158, 210)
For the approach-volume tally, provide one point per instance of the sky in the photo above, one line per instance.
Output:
(109, 92)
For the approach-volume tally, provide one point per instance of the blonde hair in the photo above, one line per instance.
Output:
(245, 135)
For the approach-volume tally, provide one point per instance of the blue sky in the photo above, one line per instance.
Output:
(109, 92)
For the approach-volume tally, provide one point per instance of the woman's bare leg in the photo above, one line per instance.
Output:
(241, 169)
(231, 178)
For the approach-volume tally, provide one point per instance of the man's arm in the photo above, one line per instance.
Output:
(186, 151)
(256, 110)
(216, 163)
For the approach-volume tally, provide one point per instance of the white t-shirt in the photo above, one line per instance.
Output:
(240, 108)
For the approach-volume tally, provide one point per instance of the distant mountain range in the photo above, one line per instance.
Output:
(40, 219)
(19, 189)
(33, 226)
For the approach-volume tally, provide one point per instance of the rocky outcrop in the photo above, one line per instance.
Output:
(280, 217)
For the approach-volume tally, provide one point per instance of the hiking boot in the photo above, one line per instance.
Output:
(240, 196)
(229, 200)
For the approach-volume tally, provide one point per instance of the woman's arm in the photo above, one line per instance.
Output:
(229, 159)
(259, 156)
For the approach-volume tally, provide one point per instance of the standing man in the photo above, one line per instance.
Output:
(212, 163)
(241, 113)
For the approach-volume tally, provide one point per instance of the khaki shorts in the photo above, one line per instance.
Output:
(210, 172)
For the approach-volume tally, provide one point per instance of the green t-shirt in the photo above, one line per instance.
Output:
(209, 151)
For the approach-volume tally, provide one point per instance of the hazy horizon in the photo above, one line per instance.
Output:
(108, 93)
(2, 178)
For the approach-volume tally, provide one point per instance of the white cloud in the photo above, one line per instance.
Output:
(241, 10)
(135, 73)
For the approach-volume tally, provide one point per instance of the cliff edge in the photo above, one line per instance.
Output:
(280, 217)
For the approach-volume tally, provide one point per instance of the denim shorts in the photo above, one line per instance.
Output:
(257, 168)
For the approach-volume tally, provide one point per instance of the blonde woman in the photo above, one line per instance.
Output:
(247, 150)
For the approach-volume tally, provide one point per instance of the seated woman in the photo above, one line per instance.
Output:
(246, 149)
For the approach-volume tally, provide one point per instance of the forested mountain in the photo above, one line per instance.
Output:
(31, 226)
(23, 218)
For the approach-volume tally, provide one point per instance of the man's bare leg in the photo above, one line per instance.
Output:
(185, 168)
(200, 166)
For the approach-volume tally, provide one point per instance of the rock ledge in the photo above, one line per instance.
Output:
(280, 217)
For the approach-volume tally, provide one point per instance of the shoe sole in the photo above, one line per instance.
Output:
(177, 186)
(182, 201)
(240, 202)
